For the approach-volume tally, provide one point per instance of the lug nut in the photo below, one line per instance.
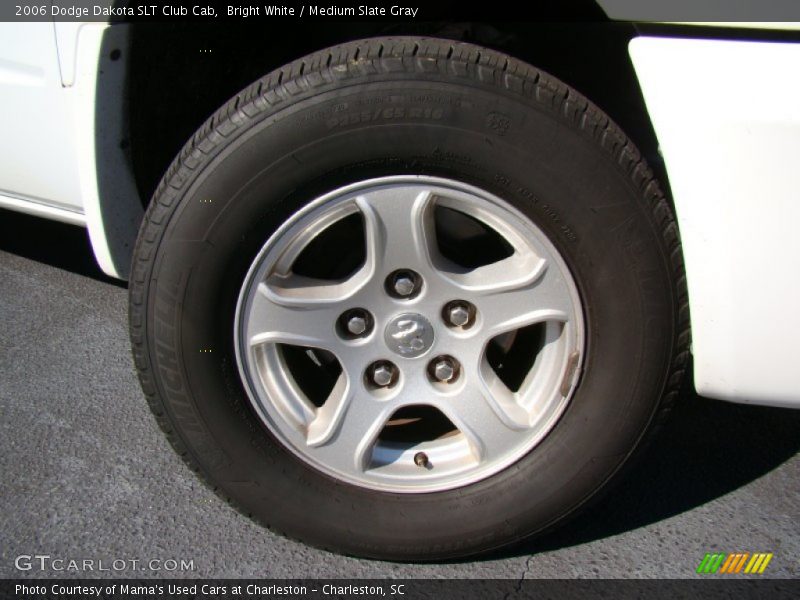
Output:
(382, 374)
(356, 325)
(458, 314)
(403, 284)
(444, 369)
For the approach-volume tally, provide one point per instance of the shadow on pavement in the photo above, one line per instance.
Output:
(706, 449)
(56, 244)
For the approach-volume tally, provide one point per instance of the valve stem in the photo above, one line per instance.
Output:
(421, 460)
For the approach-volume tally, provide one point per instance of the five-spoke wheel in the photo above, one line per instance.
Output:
(415, 340)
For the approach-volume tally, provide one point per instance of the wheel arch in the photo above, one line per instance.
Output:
(180, 74)
(177, 75)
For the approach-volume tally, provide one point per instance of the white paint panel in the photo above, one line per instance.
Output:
(98, 100)
(67, 34)
(37, 160)
(61, 132)
(747, 13)
(727, 117)
(38, 209)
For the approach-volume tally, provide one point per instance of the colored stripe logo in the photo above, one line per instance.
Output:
(738, 562)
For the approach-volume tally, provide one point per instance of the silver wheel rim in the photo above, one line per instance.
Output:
(491, 424)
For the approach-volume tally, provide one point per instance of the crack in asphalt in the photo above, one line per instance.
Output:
(526, 569)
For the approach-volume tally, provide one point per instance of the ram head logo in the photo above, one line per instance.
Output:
(410, 336)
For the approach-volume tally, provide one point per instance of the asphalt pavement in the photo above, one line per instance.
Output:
(87, 475)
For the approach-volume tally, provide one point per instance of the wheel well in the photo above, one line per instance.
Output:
(180, 74)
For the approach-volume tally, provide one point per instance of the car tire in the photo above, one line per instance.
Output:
(494, 140)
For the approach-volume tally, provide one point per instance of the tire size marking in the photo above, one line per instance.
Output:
(332, 115)
(565, 229)
(451, 157)
(386, 114)
(548, 210)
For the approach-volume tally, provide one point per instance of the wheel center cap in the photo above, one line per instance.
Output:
(409, 335)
